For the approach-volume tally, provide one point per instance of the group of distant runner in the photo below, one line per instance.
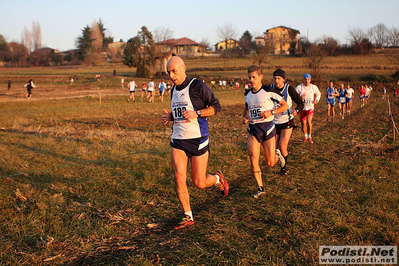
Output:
(344, 97)
(148, 90)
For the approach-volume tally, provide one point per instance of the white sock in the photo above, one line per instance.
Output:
(310, 136)
(217, 179)
(190, 213)
(306, 136)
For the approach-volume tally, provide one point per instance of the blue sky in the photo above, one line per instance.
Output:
(61, 21)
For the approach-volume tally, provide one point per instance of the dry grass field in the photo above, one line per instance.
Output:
(86, 182)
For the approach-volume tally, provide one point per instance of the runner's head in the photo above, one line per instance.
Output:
(307, 78)
(279, 78)
(176, 70)
(255, 76)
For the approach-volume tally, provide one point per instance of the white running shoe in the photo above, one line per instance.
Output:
(258, 193)
(280, 157)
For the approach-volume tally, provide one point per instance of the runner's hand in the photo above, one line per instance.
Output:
(165, 117)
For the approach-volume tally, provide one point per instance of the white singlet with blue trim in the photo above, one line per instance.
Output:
(287, 115)
(182, 128)
(260, 101)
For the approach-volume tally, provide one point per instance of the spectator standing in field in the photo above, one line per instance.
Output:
(114, 72)
(220, 84)
(224, 83)
(122, 82)
(259, 111)
(132, 87)
(151, 90)
(29, 86)
(161, 87)
(72, 81)
(285, 121)
(349, 92)
(237, 85)
(192, 101)
(331, 93)
(342, 100)
(143, 89)
(310, 95)
(384, 92)
(8, 83)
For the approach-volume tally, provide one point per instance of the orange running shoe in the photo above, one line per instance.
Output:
(186, 221)
(222, 185)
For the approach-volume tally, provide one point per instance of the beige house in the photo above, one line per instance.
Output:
(281, 40)
(184, 47)
(230, 44)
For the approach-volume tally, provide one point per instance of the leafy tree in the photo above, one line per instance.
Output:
(17, 54)
(131, 53)
(140, 52)
(84, 43)
(246, 43)
(3, 47)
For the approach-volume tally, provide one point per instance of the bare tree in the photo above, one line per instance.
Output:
(393, 37)
(26, 39)
(378, 34)
(162, 34)
(162, 50)
(328, 44)
(263, 48)
(97, 37)
(315, 58)
(36, 35)
(356, 36)
(205, 42)
(226, 32)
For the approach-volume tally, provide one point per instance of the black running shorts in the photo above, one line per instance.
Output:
(192, 147)
(287, 125)
(262, 131)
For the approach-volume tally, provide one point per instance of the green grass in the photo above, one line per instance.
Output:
(81, 181)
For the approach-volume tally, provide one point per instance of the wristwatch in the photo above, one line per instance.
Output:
(199, 113)
(272, 112)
